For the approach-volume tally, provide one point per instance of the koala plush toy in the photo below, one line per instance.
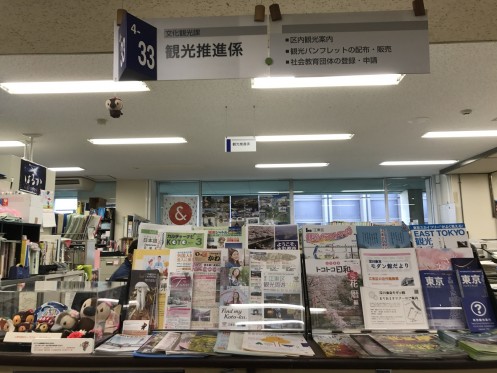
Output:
(114, 105)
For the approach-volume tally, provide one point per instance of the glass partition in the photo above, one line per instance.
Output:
(390, 200)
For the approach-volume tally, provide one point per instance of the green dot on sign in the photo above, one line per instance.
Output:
(269, 61)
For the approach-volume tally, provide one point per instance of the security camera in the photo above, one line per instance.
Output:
(114, 105)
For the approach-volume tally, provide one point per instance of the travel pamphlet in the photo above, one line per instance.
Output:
(393, 308)
(336, 241)
(442, 299)
(391, 267)
(284, 343)
(382, 236)
(450, 236)
(338, 309)
(477, 305)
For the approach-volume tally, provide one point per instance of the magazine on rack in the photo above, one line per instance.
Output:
(438, 259)
(476, 302)
(389, 267)
(179, 300)
(383, 236)
(272, 237)
(439, 235)
(275, 283)
(342, 307)
(143, 296)
(442, 299)
(337, 241)
(393, 308)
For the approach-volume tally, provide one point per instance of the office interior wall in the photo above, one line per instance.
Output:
(477, 206)
(132, 197)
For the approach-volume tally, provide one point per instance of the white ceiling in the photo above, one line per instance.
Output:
(463, 75)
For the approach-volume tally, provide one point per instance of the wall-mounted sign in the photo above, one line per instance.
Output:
(299, 45)
(240, 144)
(136, 49)
(33, 177)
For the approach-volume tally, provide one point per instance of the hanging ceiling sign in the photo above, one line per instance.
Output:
(210, 48)
(136, 45)
(33, 177)
(240, 144)
(299, 45)
(350, 44)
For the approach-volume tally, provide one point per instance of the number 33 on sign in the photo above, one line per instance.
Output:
(135, 48)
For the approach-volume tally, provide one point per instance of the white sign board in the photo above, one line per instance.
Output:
(240, 144)
(210, 48)
(349, 44)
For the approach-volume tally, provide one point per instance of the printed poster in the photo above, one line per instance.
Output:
(215, 211)
(273, 237)
(243, 207)
(179, 210)
(274, 209)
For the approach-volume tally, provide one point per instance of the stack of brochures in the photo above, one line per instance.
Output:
(263, 344)
(176, 343)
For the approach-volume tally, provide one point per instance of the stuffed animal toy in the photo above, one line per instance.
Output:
(107, 317)
(115, 105)
(6, 325)
(87, 314)
(46, 314)
(44, 324)
(24, 321)
(66, 322)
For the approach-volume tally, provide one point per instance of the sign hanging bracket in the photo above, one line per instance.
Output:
(419, 8)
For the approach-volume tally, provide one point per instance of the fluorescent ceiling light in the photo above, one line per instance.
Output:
(327, 81)
(451, 134)
(11, 144)
(65, 169)
(86, 86)
(290, 165)
(317, 137)
(138, 141)
(363, 191)
(415, 163)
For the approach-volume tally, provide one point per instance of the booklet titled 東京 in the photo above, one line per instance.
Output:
(476, 302)
(442, 299)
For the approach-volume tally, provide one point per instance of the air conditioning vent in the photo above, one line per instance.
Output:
(74, 183)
